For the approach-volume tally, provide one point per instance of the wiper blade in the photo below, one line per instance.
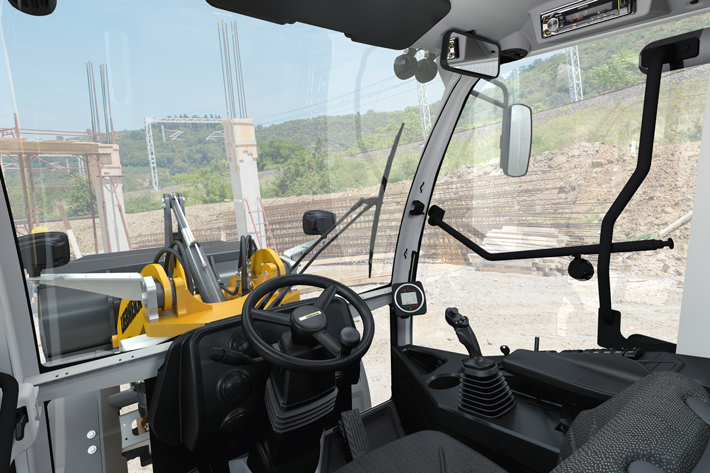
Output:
(381, 198)
(355, 206)
(369, 203)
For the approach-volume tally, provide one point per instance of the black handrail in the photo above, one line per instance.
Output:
(436, 215)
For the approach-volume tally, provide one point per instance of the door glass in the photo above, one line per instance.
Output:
(587, 102)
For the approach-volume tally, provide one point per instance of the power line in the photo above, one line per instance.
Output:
(325, 101)
(342, 106)
(304, 80)
(347, 103)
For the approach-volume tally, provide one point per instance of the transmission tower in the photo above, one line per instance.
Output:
(574, 74)
(151, 147)
(424, 114)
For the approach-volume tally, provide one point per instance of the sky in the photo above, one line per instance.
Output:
(164, 59)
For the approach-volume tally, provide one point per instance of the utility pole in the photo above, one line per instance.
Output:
(424, 113)
(574, 74)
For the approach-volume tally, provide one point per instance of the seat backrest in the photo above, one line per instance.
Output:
(649, 421)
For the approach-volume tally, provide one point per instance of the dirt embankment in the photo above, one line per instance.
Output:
(584, 180)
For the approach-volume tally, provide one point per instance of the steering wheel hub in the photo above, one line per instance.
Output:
(306, 321)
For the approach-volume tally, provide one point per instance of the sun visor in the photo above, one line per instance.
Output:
(394, 24)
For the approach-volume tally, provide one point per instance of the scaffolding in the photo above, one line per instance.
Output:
(25, 154)
(151, 147)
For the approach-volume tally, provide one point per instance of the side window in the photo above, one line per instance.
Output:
(584, 149)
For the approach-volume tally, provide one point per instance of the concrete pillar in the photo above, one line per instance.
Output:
(240, 144)
(109, 198)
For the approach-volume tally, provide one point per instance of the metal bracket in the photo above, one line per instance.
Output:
(130, 286)
(27, 398)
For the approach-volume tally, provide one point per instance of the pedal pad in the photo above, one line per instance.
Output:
(354, 432)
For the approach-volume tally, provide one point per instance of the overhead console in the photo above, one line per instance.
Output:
(560, 21)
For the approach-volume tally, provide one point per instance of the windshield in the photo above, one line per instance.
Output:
(587, 102)
(253, 124)
(168, 132)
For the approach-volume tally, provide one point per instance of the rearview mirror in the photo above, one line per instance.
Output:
(470, 55)
(317, 222)
(516, 140)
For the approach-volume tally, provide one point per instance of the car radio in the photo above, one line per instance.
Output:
(574, 16)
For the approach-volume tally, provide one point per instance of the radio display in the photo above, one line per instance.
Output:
(579, 15)
(583, 13)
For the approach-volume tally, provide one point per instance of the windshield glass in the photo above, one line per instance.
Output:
(253, 123)
(587, 102)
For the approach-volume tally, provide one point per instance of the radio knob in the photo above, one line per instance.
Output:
(553, 24)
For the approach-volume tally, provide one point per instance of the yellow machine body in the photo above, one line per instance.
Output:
(186, 311)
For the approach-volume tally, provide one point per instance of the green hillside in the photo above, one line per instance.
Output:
(304, 148)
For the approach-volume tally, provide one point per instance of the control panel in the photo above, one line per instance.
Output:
(576, 15)
(409, 299)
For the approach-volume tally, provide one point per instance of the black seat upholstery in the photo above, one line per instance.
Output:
(427, 451)
(647, 423)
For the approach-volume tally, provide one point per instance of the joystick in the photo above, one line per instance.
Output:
(483, 391)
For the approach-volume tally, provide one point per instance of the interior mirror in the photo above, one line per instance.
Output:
(317, 222)
(470, 55)
(516, 140)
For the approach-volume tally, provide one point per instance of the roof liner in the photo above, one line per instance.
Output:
(393, 24)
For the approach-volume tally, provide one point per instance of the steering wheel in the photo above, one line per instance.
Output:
(308, 325)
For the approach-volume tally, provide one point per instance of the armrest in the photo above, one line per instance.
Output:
(590, 376)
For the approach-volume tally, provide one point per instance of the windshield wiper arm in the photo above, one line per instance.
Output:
(327, 232)
(369, 203)
(380, 199)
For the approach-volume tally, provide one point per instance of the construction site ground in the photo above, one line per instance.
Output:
(572, 187)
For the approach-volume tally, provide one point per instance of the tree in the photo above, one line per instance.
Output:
(209, 184)
(305, 173)
(618, 72)
(80, 200)
(274, 152)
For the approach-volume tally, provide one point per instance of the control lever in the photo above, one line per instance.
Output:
(463, 331)
(483, 390)
(230, 357)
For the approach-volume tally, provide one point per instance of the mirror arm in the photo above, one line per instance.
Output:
(502, 87)
(436, 215)
(488, 99)
(491, 100)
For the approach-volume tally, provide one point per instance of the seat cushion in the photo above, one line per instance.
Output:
(648, 421)
(427, 451)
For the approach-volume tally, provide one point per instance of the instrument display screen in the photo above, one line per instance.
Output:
(575, 16)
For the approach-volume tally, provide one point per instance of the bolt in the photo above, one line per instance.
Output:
(92, 449)
(91, 434)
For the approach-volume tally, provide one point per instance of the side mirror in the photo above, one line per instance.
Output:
(470, 55)
(43, 250)
(516, 140)
(317, 222)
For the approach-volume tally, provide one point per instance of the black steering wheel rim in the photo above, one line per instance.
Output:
(299, 365)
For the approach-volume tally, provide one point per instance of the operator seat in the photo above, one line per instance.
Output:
(660, 424)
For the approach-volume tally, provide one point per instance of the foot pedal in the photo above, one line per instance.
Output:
(354, 432)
